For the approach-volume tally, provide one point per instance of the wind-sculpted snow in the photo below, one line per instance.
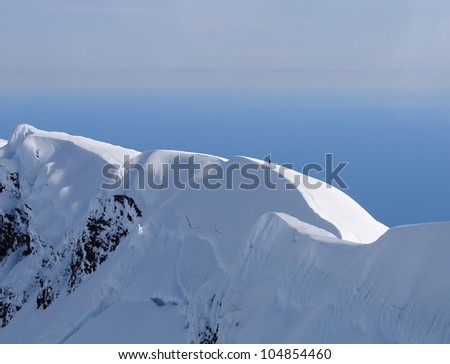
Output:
(301, 285)
(134, 264)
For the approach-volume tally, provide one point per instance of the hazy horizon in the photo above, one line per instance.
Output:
(396, 146)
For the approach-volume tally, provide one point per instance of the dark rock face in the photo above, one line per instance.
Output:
(45, 295)
(14, 221)
(209, 336)
(105, 229)
(65, 267)
(10, 303)
(14, 233)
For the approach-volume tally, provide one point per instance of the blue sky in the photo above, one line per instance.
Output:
(368, 81)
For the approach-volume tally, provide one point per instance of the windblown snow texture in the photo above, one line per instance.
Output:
(79, 264)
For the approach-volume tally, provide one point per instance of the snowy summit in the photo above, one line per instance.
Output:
(102, 244)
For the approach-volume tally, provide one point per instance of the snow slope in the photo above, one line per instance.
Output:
(298, 284)
(79, 264)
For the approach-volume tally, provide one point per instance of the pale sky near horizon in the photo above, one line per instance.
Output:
(320, 44)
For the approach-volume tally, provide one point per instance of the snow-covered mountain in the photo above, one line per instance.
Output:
(84, 264)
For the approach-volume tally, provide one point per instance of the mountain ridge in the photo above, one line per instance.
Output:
(79, 263)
